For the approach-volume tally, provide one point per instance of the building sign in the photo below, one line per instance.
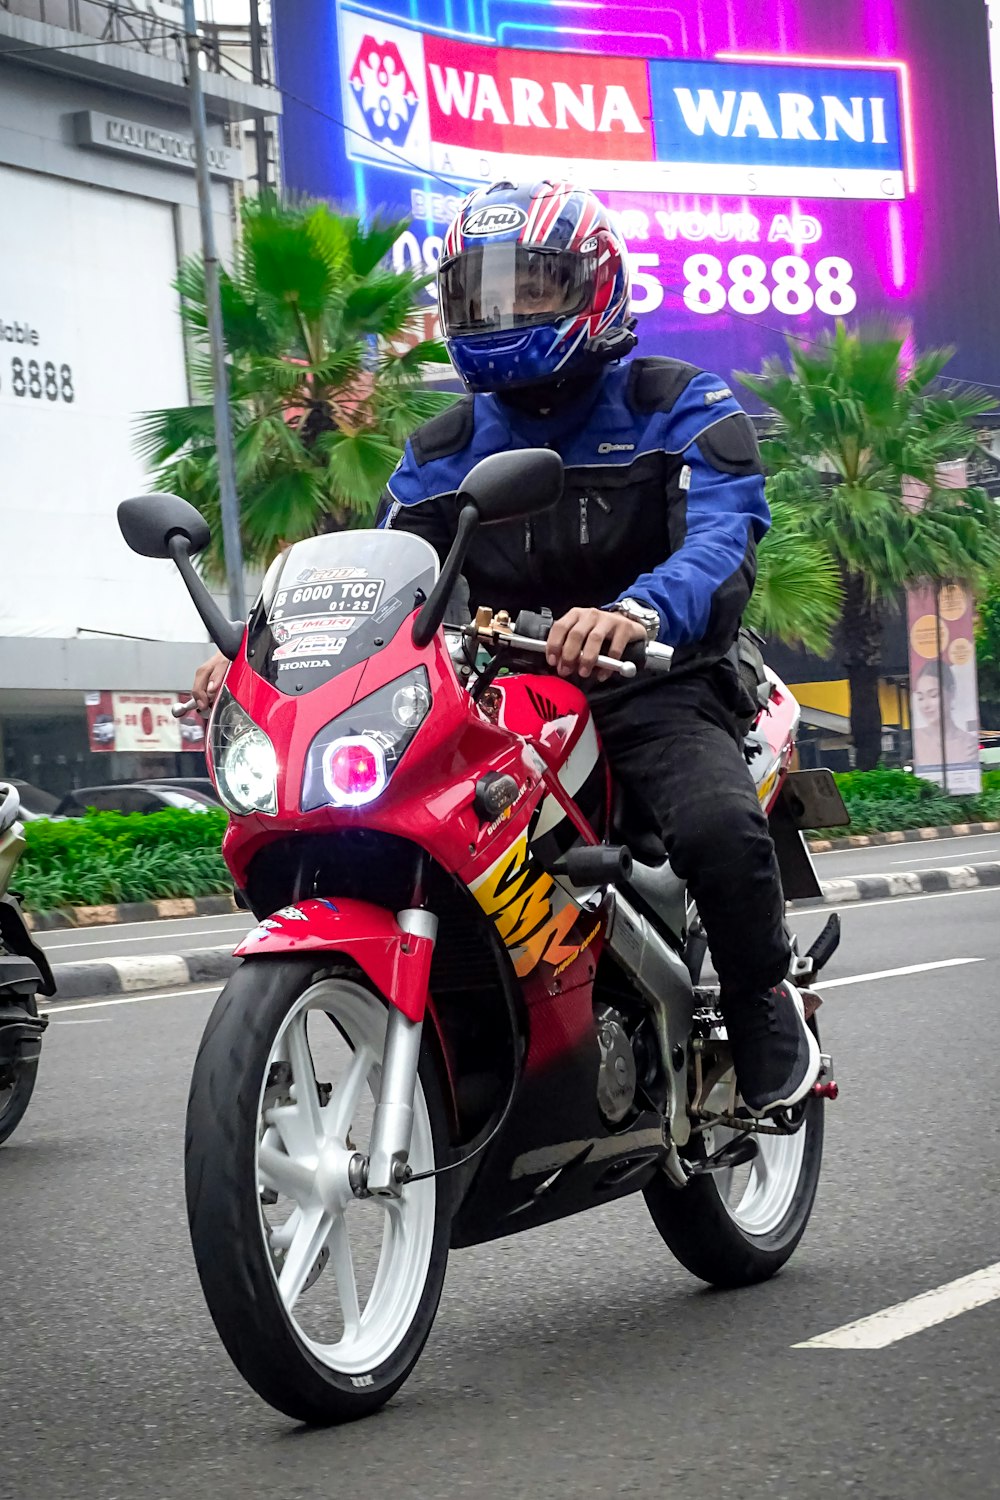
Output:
(757, 128)
(142, 723)
(773, 168)
(101, 132)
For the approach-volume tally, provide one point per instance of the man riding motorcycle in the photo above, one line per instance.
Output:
(654, 539)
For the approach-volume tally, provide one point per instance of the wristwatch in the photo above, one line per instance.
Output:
(642, 614)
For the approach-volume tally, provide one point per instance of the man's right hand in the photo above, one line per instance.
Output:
(208, 680)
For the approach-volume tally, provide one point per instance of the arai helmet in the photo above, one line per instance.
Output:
(533, 286)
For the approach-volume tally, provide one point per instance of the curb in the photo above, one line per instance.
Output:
(120, 976)
(914, 883)
(900, 836)
(131, 911)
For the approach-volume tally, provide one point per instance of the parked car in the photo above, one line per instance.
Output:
(199, 786)
(137, 797)
(989, 749)
(35, 803)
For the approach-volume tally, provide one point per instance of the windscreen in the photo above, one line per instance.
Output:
(332, 601)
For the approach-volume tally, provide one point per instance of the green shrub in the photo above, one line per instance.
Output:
(885, 800)
(107, 858)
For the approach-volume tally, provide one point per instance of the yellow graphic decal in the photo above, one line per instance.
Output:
(767, 785)
(533, 915)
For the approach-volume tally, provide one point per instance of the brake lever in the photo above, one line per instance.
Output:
(626, 669)
(181, 710)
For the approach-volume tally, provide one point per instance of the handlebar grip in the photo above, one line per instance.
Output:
(635, 652)
(535, 626)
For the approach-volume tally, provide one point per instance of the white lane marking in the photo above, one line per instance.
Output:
(941, 963)
(84, 1021)
(108, 938)
(63, 1006)
(913, 1316)
(160, 923)
(862, 906)
(937, 847)
(930, 859)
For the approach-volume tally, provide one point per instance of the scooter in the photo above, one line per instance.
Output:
(24, 972)
(473, 1001)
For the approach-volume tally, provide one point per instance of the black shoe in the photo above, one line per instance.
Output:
(776, 1056)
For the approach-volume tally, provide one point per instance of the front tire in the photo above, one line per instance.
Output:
(272, 1216)
(737, 1227)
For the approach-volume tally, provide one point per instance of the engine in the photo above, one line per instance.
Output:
(616, 1075)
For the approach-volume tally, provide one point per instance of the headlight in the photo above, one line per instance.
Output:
(351, 759)
(246, 767)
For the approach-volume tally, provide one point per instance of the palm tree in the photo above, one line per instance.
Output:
(855, 420)
(797, 596)
(325, 377)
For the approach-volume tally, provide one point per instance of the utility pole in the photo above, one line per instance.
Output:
(257, 71)
(229, 502)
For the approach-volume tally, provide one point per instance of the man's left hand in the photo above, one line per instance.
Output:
(582, 635)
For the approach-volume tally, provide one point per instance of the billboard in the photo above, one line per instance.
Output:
(773, 168)
(141, 722)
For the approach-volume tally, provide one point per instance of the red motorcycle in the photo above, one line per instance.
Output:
(466, 1009)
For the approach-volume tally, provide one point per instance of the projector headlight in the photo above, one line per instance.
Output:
(243, 758)
(351, 759)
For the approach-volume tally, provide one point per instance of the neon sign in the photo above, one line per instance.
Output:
(765, 173)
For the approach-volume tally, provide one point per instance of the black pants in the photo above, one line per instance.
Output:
(675, 747)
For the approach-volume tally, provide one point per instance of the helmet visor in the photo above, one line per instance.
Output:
(490, 288)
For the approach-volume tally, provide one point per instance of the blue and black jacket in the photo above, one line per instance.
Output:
(664, 502)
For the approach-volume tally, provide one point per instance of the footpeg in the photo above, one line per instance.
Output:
(736, 1154)
(829, 1090)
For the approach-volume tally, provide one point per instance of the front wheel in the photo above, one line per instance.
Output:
(739, 1226)
(323, 1301)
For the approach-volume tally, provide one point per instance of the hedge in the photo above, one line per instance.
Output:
(106, 858)
(885, 800)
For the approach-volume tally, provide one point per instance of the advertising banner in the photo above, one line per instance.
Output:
(141, 722)
(773, 167)
(944, 701)
(944, 692)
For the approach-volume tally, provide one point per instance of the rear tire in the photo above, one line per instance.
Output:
(730, 1235)
(242, 1250)
(14, 1100)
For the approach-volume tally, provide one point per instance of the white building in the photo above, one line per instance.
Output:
(97, 208)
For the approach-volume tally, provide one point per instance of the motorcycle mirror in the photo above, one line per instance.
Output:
(161, 525)
(511, 486)
(149, 522)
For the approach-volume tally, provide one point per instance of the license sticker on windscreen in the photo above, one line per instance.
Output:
(355, 597)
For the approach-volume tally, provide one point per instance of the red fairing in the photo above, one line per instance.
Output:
(397, 962)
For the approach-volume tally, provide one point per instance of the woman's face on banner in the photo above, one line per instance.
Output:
(929, 699)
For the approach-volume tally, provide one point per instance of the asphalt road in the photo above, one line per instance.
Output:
(574, 1361)
(142, 939)
(137, 939)
(900, 859)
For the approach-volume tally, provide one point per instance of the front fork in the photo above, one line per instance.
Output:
(392, 1125)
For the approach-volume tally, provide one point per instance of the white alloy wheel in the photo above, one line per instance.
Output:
(738, 1226)
(757, 1196)
(350, 1272)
